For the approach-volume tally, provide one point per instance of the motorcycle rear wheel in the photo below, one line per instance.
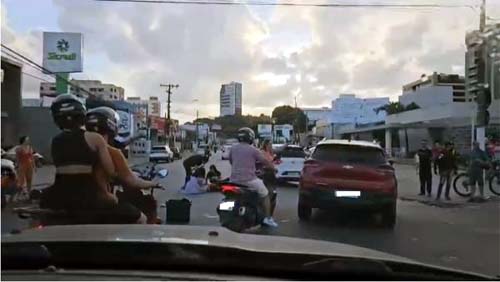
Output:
(237, 225)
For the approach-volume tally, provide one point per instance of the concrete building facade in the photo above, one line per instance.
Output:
(231, 99)
(108, 92)
(315, 114)
(11, 101)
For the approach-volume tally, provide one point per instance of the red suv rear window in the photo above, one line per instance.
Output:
(349, 154)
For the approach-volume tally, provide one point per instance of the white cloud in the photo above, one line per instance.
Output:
(371, 52)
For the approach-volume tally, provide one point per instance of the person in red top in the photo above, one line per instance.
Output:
(437, 150)
(26, 163)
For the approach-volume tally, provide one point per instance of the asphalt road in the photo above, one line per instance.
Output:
(458, 235)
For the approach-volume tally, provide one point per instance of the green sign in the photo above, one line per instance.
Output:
(62, 83)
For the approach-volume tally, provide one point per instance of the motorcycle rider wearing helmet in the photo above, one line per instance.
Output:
(243, 158)
(104, 121)
(76, 154)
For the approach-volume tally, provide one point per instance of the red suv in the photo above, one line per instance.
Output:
(348, 174)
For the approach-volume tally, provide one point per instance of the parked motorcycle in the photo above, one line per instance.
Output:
(44, 217)
(241, 209)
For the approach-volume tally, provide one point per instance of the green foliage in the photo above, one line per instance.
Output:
(397, 107)
(290, 115)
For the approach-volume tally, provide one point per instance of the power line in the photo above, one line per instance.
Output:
(46, 70)
(17, 60)
(289, 4)
(34, 76)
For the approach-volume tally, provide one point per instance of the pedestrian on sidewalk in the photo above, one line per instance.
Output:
(26, 164)
(436, 152)
(447, 164)
(478, 160)
(423, 159)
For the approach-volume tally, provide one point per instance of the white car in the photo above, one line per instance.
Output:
(200, 150)
(289, 163)
(161, 153)
(225, 151)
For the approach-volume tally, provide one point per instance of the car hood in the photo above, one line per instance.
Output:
(217, 237)
(193, 235)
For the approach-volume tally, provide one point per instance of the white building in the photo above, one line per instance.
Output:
(315, 114)
(141, 111)
(154, 106)
(435, 90)
(231, 99)
(109, 92)
(349, 109)
(444, 114)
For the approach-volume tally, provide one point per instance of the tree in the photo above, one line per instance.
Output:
(396, 107)
(290, 115)
(231, 124)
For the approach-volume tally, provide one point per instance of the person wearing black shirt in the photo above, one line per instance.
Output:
(213, 174)
(424, 158)
(446, 162)
(192, 161)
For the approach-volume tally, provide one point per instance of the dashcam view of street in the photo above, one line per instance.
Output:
(350, 139)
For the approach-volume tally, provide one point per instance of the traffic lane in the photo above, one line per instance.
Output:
(464, 237)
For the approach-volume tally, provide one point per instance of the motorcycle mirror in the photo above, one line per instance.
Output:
(163, 173)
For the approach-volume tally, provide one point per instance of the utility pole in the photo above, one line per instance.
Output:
(197, 140)
(169, 93)
(482, 109)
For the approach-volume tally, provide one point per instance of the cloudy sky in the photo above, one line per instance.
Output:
(276, 52)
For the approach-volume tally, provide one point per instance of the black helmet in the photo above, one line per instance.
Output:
(68, 111)
(246, 135)
(103, 120)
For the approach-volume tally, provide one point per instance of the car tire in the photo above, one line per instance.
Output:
(389, 216)
(304, 212)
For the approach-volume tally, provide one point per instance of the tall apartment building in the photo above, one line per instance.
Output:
(231, 99)
(109, 92)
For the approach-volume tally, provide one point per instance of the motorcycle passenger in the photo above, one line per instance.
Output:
(76, 154)
(104, 121)
(243, 158)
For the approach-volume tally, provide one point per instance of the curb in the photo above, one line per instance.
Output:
(446, 204)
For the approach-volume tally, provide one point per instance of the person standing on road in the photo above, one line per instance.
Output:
(26, 164)
(478, 160)
(189, 163)
(446, 162)
(424, 168)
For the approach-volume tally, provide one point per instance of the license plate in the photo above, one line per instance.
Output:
(294, 174)
(347, 194)
(226, 206)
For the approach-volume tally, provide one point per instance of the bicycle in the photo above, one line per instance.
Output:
(461, 181)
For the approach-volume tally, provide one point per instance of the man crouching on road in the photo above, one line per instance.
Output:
(243, 157)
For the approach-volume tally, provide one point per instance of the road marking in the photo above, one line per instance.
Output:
(210, 216)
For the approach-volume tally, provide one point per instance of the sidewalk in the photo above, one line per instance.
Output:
(409, 188)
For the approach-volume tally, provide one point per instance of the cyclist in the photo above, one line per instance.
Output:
(243, 158)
